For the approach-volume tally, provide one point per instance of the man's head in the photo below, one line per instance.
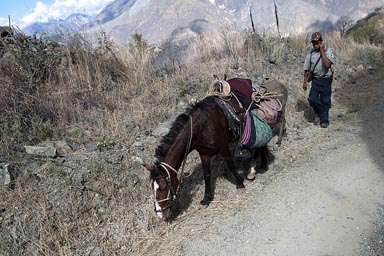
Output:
(316, 39)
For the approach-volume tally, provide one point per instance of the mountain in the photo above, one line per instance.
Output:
(159, 20)
(179, 20)
(370, 28)
(55, 27)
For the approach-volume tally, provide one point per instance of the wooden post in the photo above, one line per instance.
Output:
(250, 14)
(277, 18)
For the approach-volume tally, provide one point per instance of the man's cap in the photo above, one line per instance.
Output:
(316, 37)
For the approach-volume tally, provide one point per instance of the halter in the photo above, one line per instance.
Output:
(171, 193)
(171, 197)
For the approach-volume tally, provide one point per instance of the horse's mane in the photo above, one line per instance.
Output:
(168, 139)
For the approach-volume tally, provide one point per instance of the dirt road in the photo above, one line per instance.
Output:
(323, 194)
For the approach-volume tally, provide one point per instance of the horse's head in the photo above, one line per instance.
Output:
(164, 183)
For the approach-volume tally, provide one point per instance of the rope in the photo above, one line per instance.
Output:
(238, 101)
(260, 94)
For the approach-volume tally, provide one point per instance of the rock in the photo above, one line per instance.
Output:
(5, 177)
(59, 160)
(90, 147)
(163, 128)
(96, 251)
(33, 167)
(360, 67)
(137, 160)
(62, 148)
(138, 144)
(47, 151)
(160, 131)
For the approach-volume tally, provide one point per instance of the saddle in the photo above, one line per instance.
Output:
(266, 103)
(250, 111)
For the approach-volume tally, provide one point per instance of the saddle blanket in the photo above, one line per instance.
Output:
(270, 111)
(257, 133)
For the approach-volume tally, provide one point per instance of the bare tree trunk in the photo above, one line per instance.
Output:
(277, 18)
(253, 25)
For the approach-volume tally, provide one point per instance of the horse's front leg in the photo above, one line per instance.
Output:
(208, 196)
(226, 153)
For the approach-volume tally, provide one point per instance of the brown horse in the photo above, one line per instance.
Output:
(204, 128)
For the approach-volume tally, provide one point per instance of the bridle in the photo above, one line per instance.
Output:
(171, 197)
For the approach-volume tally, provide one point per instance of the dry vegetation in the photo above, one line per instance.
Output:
(112, 95)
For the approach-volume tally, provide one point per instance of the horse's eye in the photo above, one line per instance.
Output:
(162, 184)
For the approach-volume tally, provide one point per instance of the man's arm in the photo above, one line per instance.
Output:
(326, 62)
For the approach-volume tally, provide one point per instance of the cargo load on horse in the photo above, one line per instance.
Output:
(260, 108)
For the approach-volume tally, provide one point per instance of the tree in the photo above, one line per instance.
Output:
(343, 24)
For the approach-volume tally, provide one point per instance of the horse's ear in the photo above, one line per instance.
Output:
(148, 167)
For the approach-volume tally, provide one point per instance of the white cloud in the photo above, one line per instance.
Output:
(39, 13)
(61, 9)
(3, 21)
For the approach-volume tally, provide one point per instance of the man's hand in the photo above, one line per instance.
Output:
(305, 85)
(321, 46)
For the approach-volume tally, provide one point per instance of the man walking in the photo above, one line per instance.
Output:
(317, 68)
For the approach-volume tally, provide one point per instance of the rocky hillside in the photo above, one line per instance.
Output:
(78, 122)
(370, 28)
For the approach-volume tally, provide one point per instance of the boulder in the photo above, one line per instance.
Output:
(47, 151)
(5, 177)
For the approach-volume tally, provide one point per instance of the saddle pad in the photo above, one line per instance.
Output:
(270, 111)
(257, 133)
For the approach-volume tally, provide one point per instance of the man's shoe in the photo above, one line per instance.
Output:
(324, 125)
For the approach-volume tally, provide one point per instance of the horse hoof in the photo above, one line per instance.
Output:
(252, 174)
(205, 201)
(240, 186)
(250, 178)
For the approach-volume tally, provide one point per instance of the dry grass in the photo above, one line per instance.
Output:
(98, 203)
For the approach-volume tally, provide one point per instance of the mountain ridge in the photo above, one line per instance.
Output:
(161, 20)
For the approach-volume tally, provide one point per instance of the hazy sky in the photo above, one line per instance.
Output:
(24, 12)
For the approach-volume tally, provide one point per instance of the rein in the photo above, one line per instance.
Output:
(172, 194)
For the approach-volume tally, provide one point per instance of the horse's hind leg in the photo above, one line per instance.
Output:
(231, 165)
(281, 130)
(208, 196)
(263, 153)
(252, 168)
(264, 159)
